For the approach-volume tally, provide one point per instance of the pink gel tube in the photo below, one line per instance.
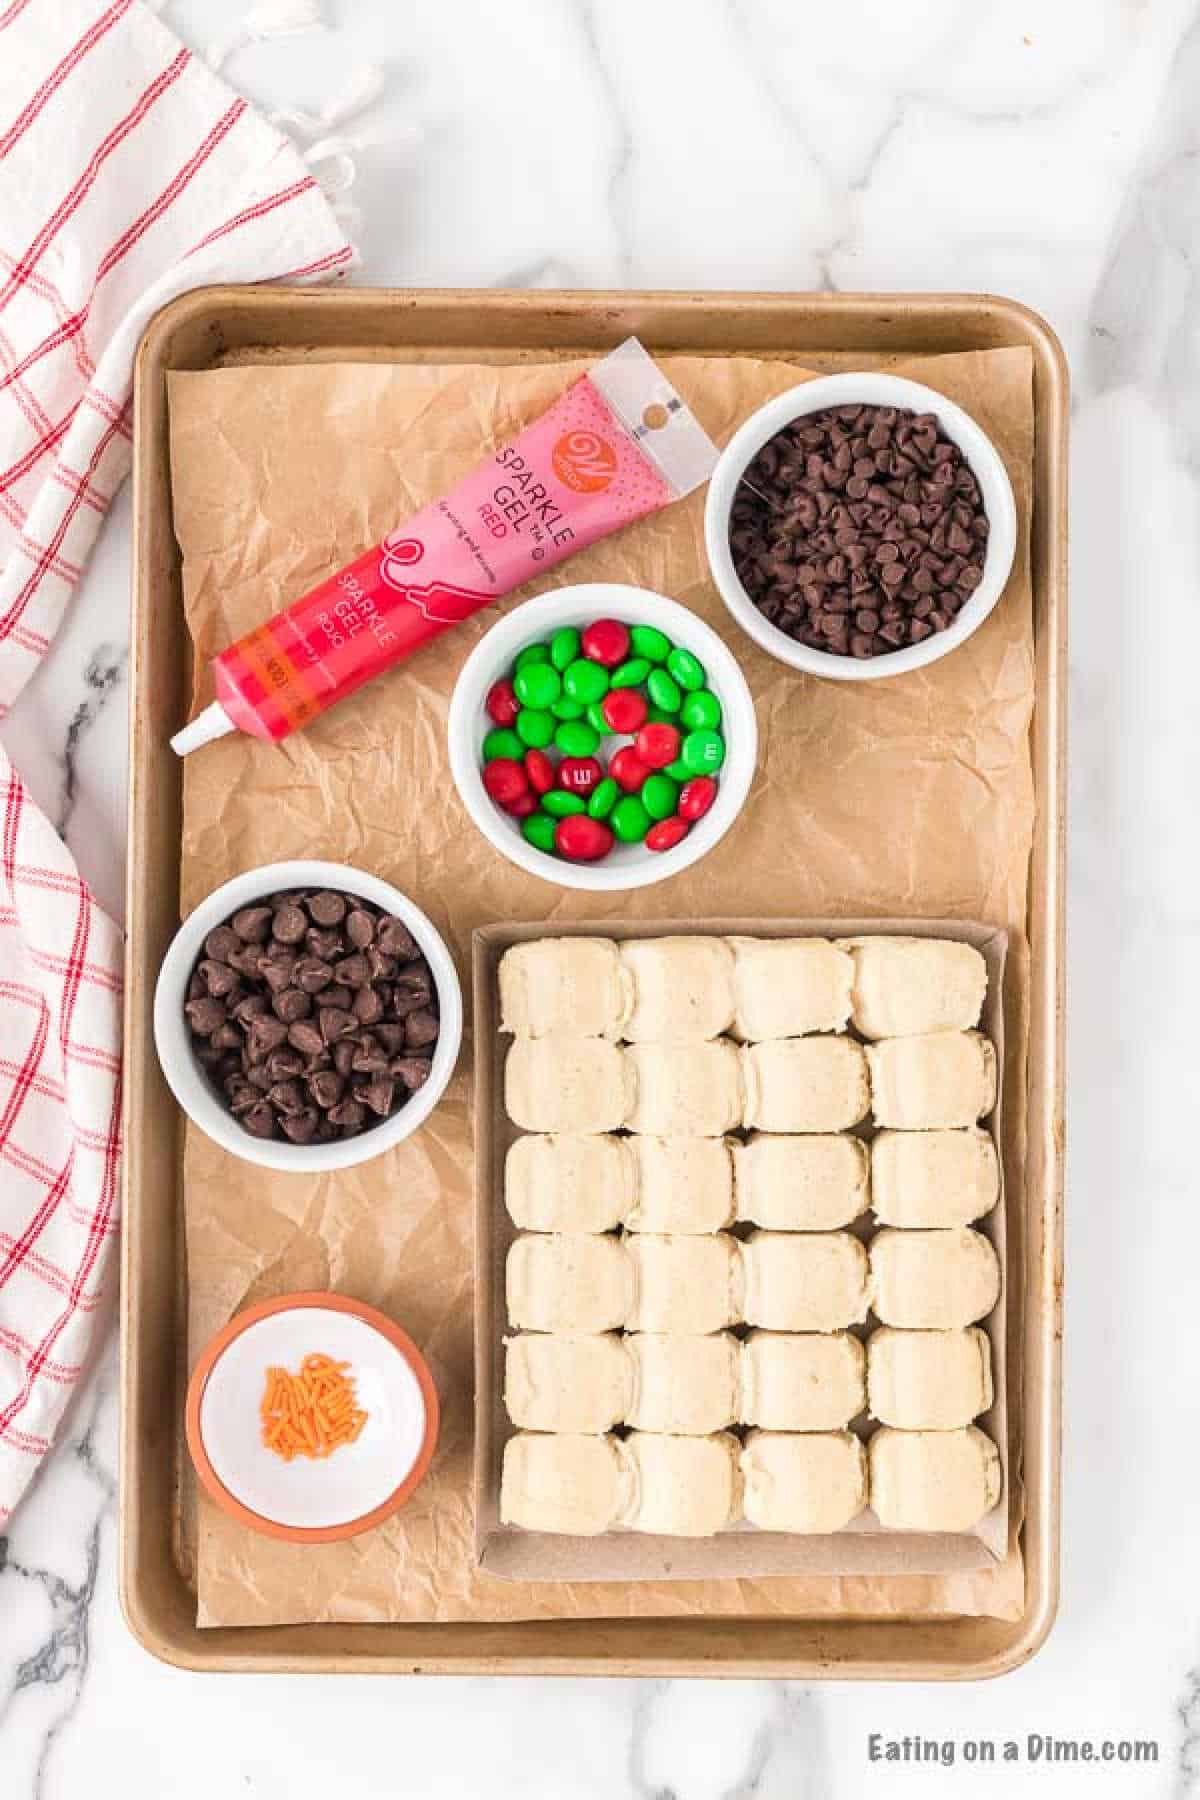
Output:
(618, 444)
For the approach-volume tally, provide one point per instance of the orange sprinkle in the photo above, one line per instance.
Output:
(311, 1413)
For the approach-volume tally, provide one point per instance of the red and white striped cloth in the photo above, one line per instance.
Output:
(128, 173)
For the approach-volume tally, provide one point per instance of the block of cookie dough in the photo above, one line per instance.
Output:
(684, 1090)
(905, 986)
(683, 1486)
(931, 1179)
(805, 1084)
(567, 1383)
(933, 1480)
(681, 989)
(800, 1183)
(933, 1280)
(568, 1283)
(786, 987)
(804, 1281)
(928, 1380)
(687, 1386)
(570, 1483)
(933, 1083)
(814, 1482)
(684, 1286)
(802, 1381)
(569, 1182)
(683, 1184)
(562, 986)
(574, 1084)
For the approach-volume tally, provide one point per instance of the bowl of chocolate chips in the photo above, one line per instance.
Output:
(860, 525)
(307, 1016)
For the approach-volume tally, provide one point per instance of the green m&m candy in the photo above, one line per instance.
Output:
(502, 742)
(538, 830)
(534, 727)
(659, 796)
(629, 819)
(687, 669)
(661, 715)
(561, 804)
(564, 647)
(679, 771)
(585, 681)
(575, 737)
(532, 653)
(663, 692)
(597, 720)
(701, 711)
(703, 751)
(631, 673)
(537, 685)
(650, 642)
(604, 797)
(566, 709)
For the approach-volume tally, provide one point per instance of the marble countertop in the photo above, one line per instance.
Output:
(1041, 150)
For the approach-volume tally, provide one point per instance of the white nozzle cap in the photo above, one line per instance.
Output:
(213, 722)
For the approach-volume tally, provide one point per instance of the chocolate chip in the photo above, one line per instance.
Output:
(335, 1022)
(311, 974)
(413, 1071)
(360, 928)
(301, 1127)
(258, 1120)
(292, 1004)
(204, 1016)
(326, 1088)
(367, 1005)
(306, 1037)
(220, 942)
(352, 970)
(288, 923)
(252, 924)
(327, 908)
(286, 1097)
(325, 944)
(395, 939)
(218, 977)
(420, 1028)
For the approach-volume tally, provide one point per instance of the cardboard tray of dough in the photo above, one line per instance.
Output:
(215, 326)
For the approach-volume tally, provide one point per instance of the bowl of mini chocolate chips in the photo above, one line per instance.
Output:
(307, 1016)
(860, 525)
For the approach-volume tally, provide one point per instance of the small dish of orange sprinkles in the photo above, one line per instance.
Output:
(313, 1413)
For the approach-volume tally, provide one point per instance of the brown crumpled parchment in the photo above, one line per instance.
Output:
(910, 796)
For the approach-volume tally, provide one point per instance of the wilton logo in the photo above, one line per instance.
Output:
(399, 554)
(584, 462)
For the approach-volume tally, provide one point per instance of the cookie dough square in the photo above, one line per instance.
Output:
(566, 1084)
(933, 1280)
(684, 1286)
(563, 986)
(686, 1386)
(802, 1381)
(804, 1281)
(568, 1283)
(574, 1384)
(933, 1179)
(805, 1084)
(936, 1083)
(683, 1486)
(812, 1483)
(933, 1480)
(800, 1183)
(571, 1484)
(682, 1184)
(907, 986)
(788, 987)
(569, 1182)
(681, 989)
(928, 1380)
(692, 1090)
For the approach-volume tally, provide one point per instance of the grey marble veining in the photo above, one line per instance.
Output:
(1047, 150)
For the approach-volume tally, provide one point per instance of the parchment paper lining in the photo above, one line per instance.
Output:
(911, 797)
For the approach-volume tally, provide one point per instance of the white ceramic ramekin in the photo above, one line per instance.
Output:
(628, 865)
(868, 387)
(186, 1077)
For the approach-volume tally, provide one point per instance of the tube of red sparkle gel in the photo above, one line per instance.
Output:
(618, 444)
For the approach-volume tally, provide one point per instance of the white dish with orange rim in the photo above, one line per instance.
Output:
(359, 1484)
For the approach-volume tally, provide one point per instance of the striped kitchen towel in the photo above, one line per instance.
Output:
(129, 172)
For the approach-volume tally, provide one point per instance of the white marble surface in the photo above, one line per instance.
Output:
(1046, 149)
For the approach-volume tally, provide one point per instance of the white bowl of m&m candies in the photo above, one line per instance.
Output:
(602, 737)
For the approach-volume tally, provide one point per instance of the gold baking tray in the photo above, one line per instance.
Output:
(219, 325)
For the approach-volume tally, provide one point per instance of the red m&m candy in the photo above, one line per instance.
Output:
(579, 774)
(667, 833)
(540, 771)
(627, 768)
(606, 641)
(657, 744)
(696, 797)
(522, 805)
(624, 709)
(502, 703)
(582, 839)
(505, 780)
